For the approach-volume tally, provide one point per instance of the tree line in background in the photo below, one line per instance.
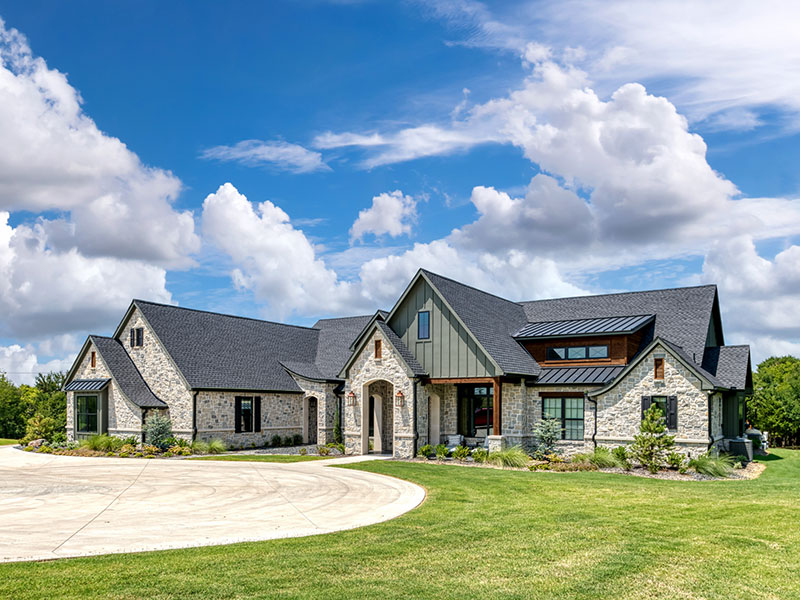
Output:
(40, 411)
(775, 404)
(33, 412)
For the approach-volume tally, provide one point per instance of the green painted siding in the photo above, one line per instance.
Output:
(451, 351)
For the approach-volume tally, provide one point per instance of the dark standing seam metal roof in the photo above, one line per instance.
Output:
(730, 364)
(125, 372)
(492, 320)
(86, 385)
(402, 350)
(682, 314)
(215, 351)
(575, 327)
(575, 375)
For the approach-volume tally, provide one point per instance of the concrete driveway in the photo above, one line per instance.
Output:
(59, 506)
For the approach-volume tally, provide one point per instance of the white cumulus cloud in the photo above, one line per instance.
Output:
(391, 213)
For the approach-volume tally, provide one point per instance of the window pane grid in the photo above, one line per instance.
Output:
(569, 411)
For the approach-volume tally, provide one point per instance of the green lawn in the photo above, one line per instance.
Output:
(485, 533)
(276, 458)
(8, 442)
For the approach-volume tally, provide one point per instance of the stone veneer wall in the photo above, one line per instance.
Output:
(326, 405)
(161, 374)
(367, 369)
(281, 414)
(124, 417)
(619, 410)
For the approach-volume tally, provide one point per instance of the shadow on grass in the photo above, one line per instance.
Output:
(767, 458)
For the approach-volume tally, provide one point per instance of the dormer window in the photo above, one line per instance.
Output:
(424, 325)
(137, 336)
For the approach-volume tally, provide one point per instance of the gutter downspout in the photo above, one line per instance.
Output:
(414, 418)
(594, 433)
(144, 419)
(710, 434)
(194, 415)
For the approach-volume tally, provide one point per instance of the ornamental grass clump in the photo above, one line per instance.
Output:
(199, 447)
(623, 457)
(604, 458)
(479, 455)
(442, 452)
(510, 458)
(216, 446)
(652, 444)
(712, 465)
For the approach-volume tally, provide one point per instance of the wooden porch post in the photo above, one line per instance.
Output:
(497, 407)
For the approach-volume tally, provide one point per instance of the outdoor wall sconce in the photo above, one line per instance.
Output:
(351, 399)
(399, 399)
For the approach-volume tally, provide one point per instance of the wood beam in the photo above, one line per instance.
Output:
(497, 408)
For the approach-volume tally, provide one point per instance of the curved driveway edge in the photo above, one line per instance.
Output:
(62, 506)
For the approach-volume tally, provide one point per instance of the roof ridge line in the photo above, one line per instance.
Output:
(590, 318)
(219, 314)
(472, 287)
(670, 289)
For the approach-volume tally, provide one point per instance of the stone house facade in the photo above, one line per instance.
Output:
(449, 363)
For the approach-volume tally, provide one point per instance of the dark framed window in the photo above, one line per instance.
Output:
(378, 349)
(668, 406)
(475, 410)
(94, 360)
(86, 414)
(137, 336)
(424, 325)
(247, 413)
(569, 411)
(577, 352)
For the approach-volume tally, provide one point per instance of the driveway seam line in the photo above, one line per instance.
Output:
(92, 520)
(292, 504)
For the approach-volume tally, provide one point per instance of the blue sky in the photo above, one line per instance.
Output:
(534, 150)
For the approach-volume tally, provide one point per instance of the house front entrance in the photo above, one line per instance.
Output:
(378, 435)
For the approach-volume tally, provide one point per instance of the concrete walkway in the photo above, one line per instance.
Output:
(59, 506)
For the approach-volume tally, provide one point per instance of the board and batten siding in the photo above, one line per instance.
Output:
(451, 351)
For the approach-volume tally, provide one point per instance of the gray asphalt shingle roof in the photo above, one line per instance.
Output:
(335, 339)
(125, 372)
(730, 364)
(682, 314)
(216, 351)
(575, 327)
(686, 357)
(492, 320)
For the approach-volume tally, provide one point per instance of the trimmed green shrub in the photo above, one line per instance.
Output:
(712, 465)
(514, 457)
(158, 430)
(275, 441)
(623, 457)
(288, 441)
(337, 428)
(336, 446)
(297, 439)
(461, 453)
(323, 450)
(303, 451)
(652, 444)
(216, 446)
(442, 452)
(479, 455)
(426, 451)
(675, 460)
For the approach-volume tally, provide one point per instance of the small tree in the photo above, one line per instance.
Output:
(157, 430)
(547, 433)
(39, 427)
(652, 444)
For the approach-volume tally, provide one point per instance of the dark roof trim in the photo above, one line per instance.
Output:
(421, 273)
(293, 369)
(708, 381)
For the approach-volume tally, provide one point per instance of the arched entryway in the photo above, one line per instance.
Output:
(434, 419)
(377, 417)
(310, 420)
